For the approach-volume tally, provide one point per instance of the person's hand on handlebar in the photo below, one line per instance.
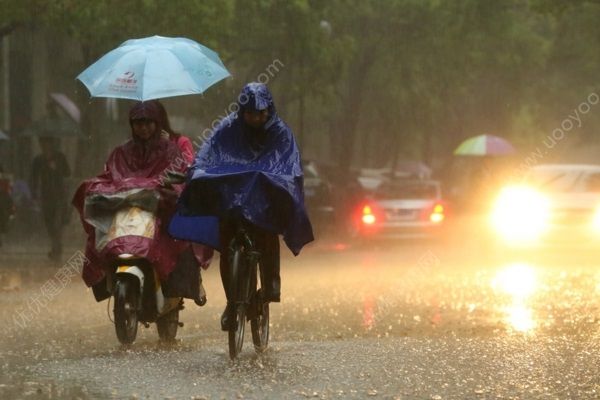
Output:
(173, 178)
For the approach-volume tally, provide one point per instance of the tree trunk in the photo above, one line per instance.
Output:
(351, 110)
(92, 148)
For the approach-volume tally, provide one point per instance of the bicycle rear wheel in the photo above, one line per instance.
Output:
(239, 289)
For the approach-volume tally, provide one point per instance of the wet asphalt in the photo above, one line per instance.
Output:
(391, 320)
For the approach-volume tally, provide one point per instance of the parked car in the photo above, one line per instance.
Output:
(402, 209)
(318, 197)
(558, 205)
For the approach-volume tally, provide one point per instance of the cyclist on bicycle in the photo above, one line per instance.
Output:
(249, 168)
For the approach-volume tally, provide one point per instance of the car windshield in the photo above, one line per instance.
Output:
(565, 180)
(388, 191)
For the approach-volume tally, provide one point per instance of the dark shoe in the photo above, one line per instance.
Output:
(271, 297)
(201, 300)
(227, 319)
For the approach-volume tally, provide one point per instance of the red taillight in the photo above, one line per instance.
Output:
(437, 214)
(368, 217)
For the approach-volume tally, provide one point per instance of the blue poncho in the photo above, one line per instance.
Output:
(255, 174)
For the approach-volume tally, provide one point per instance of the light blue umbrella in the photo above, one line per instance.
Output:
(152, 68)
(4, 136)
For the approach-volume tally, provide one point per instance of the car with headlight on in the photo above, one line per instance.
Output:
(557, 205)
(398, 209)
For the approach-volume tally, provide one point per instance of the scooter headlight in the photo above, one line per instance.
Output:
(126, 256)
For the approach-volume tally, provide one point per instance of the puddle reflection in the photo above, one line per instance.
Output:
(520, 282)
(520, 318)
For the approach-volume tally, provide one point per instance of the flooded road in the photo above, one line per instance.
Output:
(417, 320)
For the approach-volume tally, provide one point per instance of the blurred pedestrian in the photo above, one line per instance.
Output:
(48, 172)
(485, 184)
(6, 204)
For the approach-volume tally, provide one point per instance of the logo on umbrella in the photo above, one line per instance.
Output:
(127, 78)
(125, 83)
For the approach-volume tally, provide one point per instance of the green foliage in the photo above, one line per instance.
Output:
(368, 81)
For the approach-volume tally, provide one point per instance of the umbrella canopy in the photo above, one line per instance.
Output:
(484, 145)
(67, 105)
(53, 127)
(152, 68)
(4, 136)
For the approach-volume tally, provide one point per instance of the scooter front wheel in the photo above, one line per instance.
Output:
(125, 311)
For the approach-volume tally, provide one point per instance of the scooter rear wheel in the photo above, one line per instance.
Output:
(125, 311)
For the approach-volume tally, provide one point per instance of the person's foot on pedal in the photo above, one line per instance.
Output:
(227, 319)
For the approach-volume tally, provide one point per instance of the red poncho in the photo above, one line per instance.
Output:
(133, 166)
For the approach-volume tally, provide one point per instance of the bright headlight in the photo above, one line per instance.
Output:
(520, 214)
(596, 220)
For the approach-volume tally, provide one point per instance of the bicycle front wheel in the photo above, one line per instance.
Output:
(236, 336)
(260, 326)
(239, 289)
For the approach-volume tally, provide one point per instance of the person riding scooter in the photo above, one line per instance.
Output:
(124, 211)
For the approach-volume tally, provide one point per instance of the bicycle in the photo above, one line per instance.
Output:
(247, 297)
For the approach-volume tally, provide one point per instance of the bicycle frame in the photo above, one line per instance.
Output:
(248, 304)
(247, 276)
